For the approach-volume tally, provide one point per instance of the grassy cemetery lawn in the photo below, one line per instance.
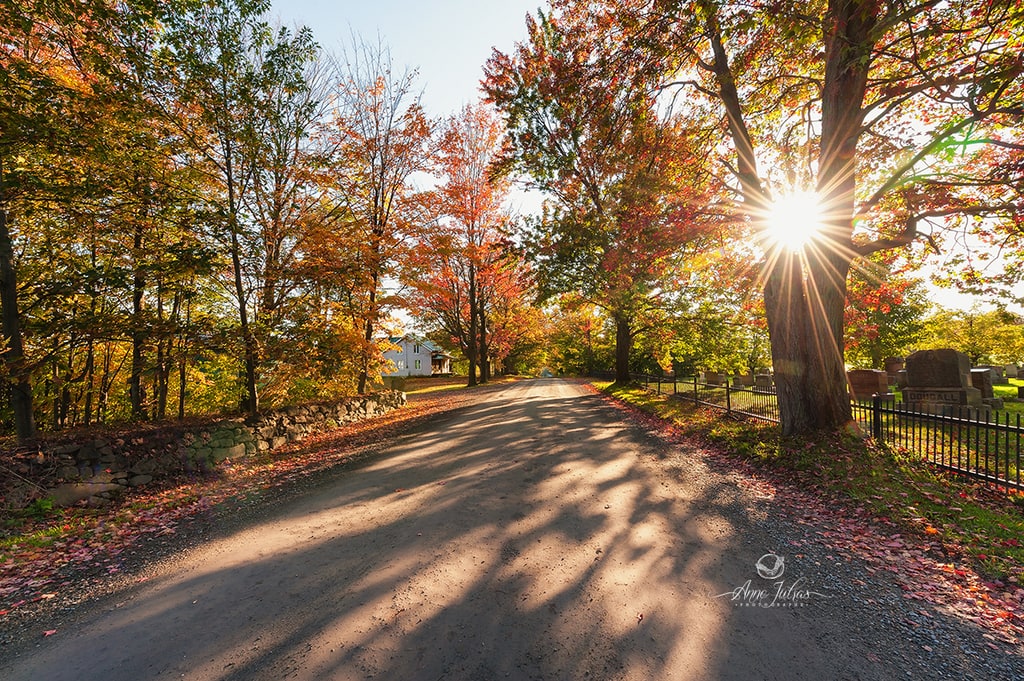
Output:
(1010, 392)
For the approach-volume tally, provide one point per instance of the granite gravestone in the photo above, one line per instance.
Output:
(743, 380)
(893, 367)
(867, 382)
(713, 377)
(982, 378)
(998, 377)
(940, 378)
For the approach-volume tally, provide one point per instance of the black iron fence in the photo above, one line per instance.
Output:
(750, 401)
(981, 444)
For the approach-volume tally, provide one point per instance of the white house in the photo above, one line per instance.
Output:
(417, 356)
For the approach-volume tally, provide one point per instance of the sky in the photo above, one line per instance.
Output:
(448, 41)
(445, 41)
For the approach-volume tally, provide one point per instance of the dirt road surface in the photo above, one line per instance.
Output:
(532, 536)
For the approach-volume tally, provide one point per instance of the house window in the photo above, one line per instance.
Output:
(416, 350)
(417, 364)
(401, 364)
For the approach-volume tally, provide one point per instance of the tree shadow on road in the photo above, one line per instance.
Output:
(535, 536)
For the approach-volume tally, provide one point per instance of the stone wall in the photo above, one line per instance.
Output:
(98, 468)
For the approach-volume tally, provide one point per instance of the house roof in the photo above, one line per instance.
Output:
(427, 344)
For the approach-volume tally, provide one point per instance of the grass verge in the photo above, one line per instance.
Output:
(980, 524)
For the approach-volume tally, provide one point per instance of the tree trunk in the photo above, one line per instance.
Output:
(623, 345)
(805, 323)
(52, 392)
(485, 359)
(805, 294)
(164, 346)
(90, 349)
(105, 381)
(14, 357)
(90, 376)
(136, 389)
(472, 343)
(877, 361)
(250, 400)
(371, 313)
(183, 348)
(69, 376)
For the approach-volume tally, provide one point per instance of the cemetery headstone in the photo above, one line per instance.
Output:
(982, 378)
(743, 380)
(713, 378)
(938, 379)
(893, 365)
(997, 374)
(867, 382)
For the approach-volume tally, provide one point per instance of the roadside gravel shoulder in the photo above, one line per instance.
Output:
(921, 617)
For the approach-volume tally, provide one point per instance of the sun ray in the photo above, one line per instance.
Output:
(795, 220)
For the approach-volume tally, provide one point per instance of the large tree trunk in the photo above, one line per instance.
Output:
(805, 322)
(805, 294)
(623, 345)
(14, 357)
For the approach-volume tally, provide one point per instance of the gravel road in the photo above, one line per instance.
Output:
(535, 535)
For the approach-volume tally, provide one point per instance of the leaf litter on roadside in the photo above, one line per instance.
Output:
(55, 553)
(919, 565)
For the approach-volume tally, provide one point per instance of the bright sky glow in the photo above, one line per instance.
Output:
(448, 41)
(794, 220)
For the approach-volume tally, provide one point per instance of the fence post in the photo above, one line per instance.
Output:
(728, 399)
(659, 384)
(695, 388)
(876, 417)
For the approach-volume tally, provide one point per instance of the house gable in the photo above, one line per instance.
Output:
(412, 357)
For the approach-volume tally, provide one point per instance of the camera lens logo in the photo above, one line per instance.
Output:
(770, 566)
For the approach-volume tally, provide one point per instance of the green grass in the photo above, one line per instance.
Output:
(983, 525)
(1010, 392)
